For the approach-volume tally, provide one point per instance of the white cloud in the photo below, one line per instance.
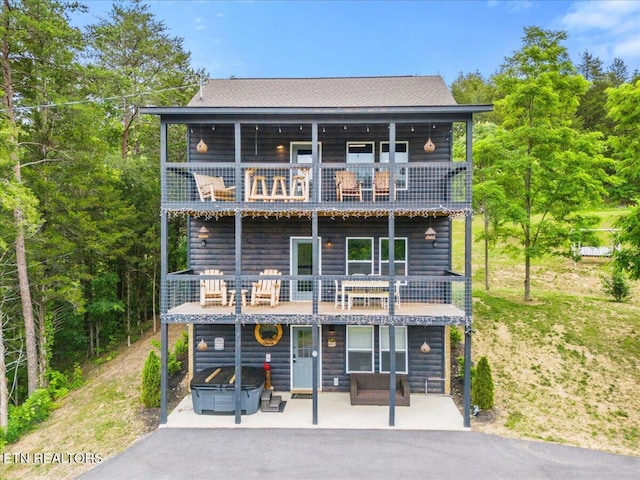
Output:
(615, 16)
(608, 29)
(628, 48)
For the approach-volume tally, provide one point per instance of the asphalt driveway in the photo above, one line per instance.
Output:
(170, 453)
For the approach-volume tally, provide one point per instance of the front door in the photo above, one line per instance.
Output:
(302, 358)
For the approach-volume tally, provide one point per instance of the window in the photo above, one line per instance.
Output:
(401, 349)
(361, 152)
(359, 256)
(400, 249)
(359, 348)
(402, 156)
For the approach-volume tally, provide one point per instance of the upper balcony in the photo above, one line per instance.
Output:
(329, 188)
(329, 168)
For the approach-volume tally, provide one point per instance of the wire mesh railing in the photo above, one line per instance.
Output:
(191, 293)
(340, 185)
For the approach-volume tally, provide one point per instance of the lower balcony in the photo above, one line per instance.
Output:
(276, 298)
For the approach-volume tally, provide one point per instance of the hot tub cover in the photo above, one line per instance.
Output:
(252, 378)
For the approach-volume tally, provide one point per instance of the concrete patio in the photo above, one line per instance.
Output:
(427, 412)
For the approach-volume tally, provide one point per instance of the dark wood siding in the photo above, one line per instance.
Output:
(260, 145)
(421, 366)
(265, 243)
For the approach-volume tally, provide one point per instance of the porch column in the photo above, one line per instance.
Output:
(467, 273)
(164, 270)
(392, 273)
(238, 283)
(315, 269)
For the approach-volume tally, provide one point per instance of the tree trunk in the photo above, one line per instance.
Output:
(21, 255)
(4, 389)
(42, 342)
(486, 250)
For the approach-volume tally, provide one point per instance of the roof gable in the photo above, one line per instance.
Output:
(335, 92)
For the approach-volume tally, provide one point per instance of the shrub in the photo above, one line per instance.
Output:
(616, 286)
(150, 395)
(482, 385)
(24, 418)
(455, 335)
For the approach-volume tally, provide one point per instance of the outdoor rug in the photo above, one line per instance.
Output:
(301, 396)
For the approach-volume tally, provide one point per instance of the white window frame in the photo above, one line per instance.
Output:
(359, 262)
(348, 349)
(405, 261)
(402, 179)
(365, 174)
(399, 329)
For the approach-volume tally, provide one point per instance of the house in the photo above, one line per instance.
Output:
(319, 217)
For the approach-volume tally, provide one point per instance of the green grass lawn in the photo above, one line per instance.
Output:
(566, 364)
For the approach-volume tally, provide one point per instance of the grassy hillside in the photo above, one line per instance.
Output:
(566, 365)
(566, 368)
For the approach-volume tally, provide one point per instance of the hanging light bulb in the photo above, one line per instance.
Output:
(429, 147)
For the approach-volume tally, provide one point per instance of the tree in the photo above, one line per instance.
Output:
(482, 385)
(132, 55)
(623, 105)
(549, 168)
(489, 199)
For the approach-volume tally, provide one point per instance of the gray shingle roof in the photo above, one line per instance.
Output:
(407, 91)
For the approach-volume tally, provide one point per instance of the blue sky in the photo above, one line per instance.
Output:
(306, 38)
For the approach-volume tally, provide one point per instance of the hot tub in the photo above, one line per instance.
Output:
(213, 390)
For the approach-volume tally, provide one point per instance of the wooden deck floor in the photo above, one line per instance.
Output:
(324, 308)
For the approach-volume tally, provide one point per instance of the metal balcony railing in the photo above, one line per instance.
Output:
(209, 186)
(336, 296)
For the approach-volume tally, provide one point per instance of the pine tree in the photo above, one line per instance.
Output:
(482, 385)
(150, 396)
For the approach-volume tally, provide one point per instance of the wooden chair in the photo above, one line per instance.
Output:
(213, 290)
(267, 290)
(347, 185)
(213, 188)
(380, 184)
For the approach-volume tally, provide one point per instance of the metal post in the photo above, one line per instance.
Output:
(392, 273)
(315, 269)
(467, 273)
(238, 284)
(164, 268)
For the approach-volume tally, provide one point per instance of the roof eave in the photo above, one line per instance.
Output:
(313, 111)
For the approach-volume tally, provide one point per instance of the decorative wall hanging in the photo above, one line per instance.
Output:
(268, 335)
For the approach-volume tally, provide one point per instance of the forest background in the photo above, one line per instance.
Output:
(79, 203)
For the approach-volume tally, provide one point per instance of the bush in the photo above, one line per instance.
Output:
(455, 336)
(24, 418)
(616, 286)
(150, 396)
(482, 385)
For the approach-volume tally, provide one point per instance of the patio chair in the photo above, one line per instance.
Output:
(347, 185)
(338, 298)
(266, 290)
(380, 185)
(213, 188)
(213, 290)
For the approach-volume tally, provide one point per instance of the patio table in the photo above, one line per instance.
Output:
(381, 285)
